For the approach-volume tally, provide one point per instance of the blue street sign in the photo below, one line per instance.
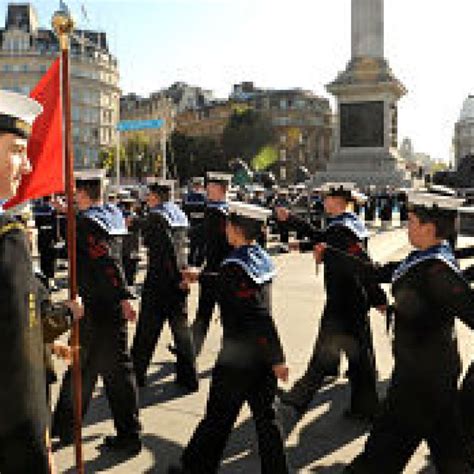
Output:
(131, 125)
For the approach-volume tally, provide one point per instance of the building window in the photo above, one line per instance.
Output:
(283, 155)
(283, 173)
(283, 104)
(6, 68)
(283, 138)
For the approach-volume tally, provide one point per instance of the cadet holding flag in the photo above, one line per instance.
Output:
(24, 413)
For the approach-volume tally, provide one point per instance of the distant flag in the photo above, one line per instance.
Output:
(266, 157)
(45, 146)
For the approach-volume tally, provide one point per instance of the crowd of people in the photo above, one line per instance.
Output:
(220, 244)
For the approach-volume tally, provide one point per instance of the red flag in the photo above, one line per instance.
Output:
(45, 146)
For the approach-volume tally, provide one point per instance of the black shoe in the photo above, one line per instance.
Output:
(130, 445)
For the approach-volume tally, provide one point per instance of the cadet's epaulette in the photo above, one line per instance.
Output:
(11, 226)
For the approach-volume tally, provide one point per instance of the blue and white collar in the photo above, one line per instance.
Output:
(351, 222)
(255, 261)
(442, 252)
(221, 206)
(108, 217)
(173, 215)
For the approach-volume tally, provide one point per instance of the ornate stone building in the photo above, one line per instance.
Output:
(166, 104)
(302, 123)
(27, 51)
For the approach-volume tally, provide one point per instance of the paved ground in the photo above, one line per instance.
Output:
(322, 442)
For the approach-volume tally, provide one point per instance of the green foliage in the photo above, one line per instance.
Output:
(193, 156)
(246, 134)
(267, 157)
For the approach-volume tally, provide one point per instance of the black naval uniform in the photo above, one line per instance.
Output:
(46, 223)
(422, 400)
(214, 248)
(194, 205)
(103, 329)
(24, 412)
(243, 371)
(164, 232)
(131, 248)
(344, 323)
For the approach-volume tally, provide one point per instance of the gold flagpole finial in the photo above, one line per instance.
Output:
(63, 25)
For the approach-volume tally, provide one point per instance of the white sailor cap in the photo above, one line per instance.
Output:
(218, 177)
(91, 175)
(17, 113)
(432, 202)
(442, 190)
(345, 190)
(197, 181)
(249, 211)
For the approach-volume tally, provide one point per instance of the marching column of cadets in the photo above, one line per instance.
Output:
(423, 401)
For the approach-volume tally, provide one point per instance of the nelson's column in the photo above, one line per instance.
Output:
(367, 93)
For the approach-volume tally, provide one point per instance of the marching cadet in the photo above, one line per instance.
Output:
(344, 324)
(214, 248)
(194, 205)
(24, 413)
(251, 358)
(429, 290)
(164, 296)
(46, 223)
(103, 329)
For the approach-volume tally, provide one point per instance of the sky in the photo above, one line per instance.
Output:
(289, 43)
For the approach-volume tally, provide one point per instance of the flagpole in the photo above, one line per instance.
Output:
(63, 25)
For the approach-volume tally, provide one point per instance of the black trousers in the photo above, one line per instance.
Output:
(104, 352)
(230, 389)
(355, 339)
(415, 409)
(206, 305)
(24, 451)
(150, 324)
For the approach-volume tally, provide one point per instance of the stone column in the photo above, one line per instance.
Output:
(367, 29)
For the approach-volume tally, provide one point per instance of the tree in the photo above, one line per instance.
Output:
(107, 159)
(246, 133)
(194, 156)
(138, 153)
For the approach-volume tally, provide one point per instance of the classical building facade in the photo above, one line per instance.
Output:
(166, 104)
(464, 132)
(302, 123)
(27, 51)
